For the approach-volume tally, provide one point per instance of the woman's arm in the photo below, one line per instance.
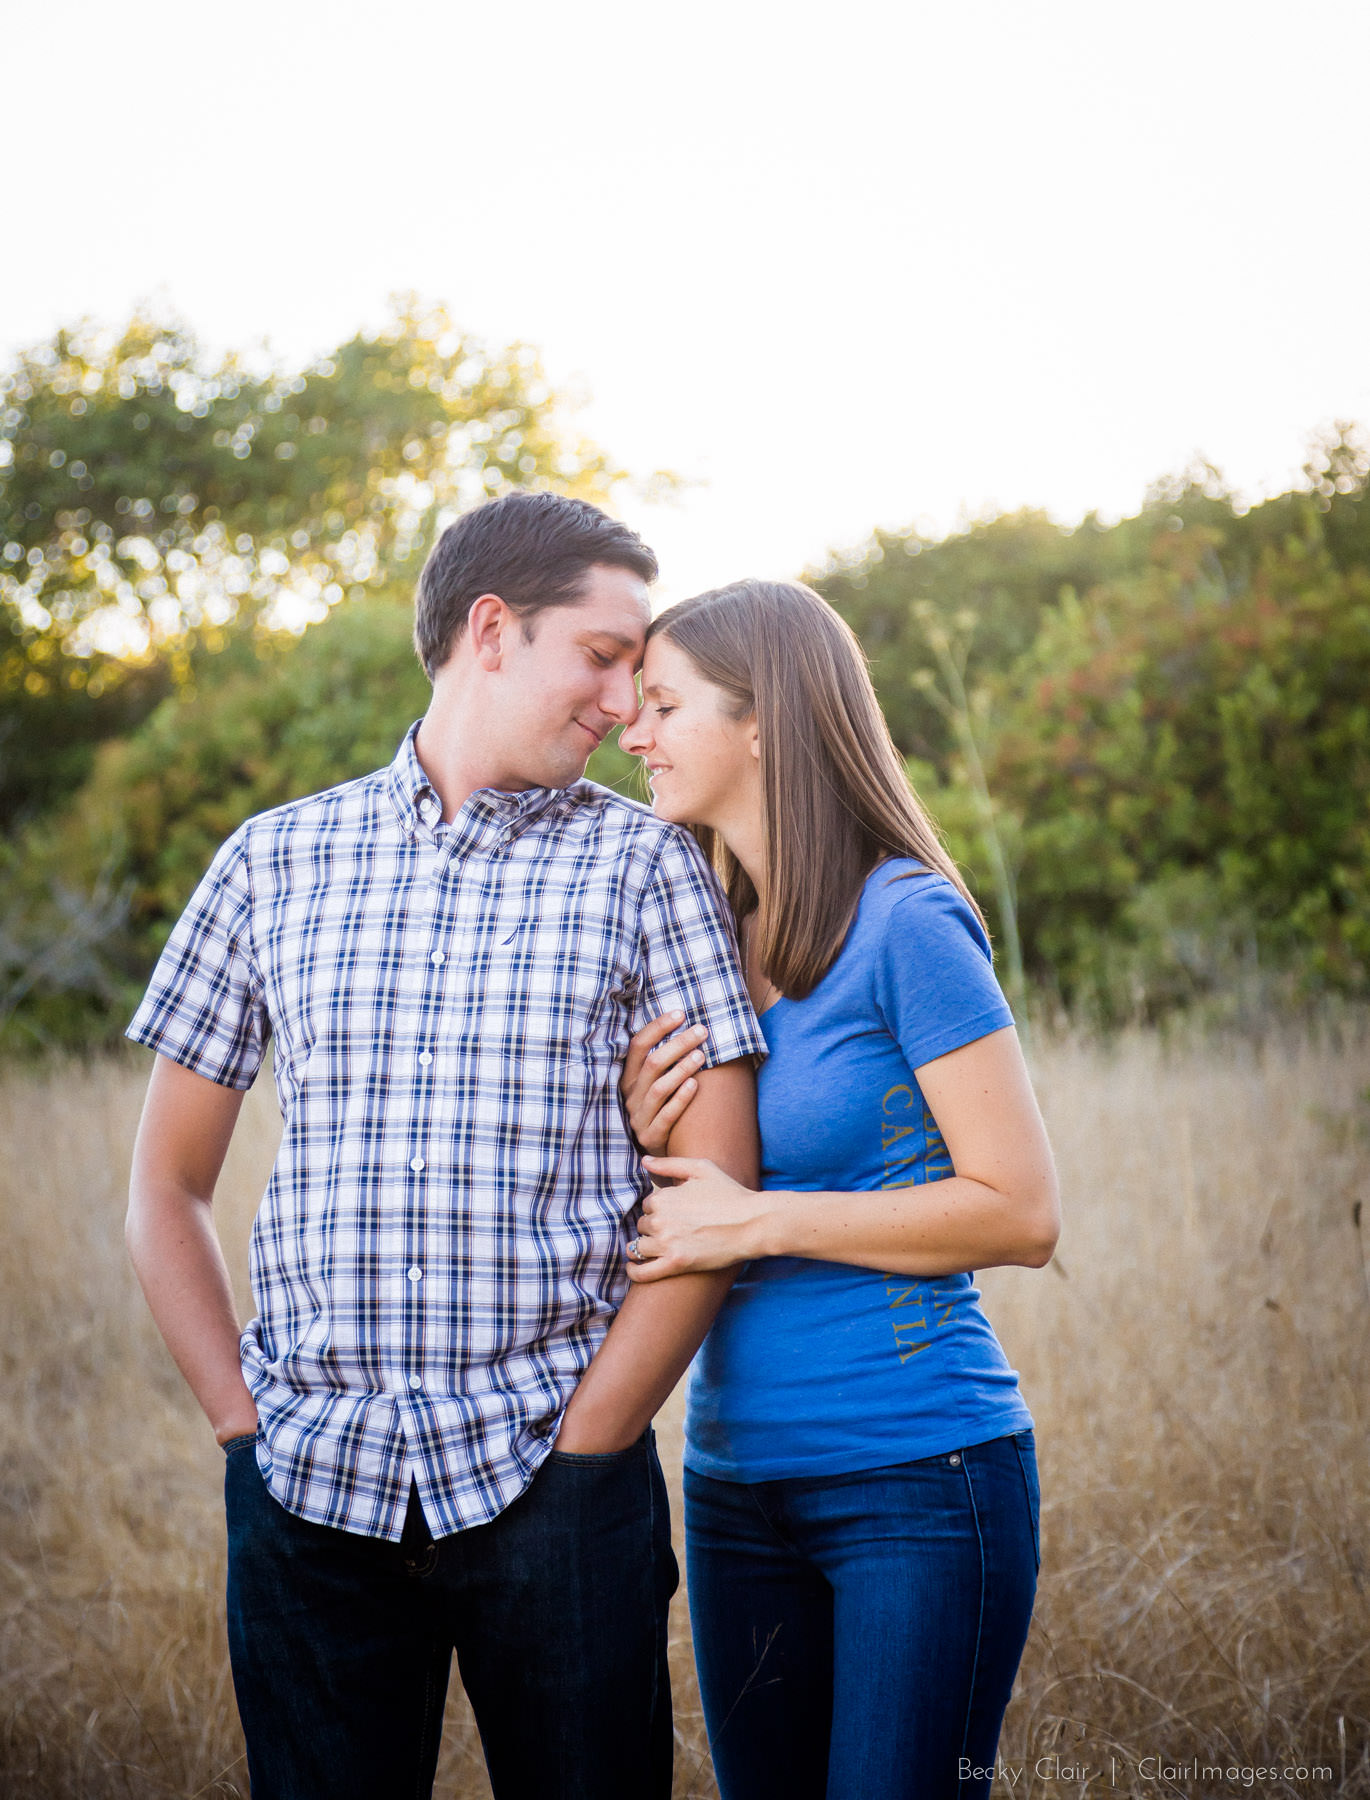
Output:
(1001, 1206)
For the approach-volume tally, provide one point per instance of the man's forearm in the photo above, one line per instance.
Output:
(649, 1346)
(182, 1140)
(175, 1251)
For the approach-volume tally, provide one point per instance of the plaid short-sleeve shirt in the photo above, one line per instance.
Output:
(440, 1249)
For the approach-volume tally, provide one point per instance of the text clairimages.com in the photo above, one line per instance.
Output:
(1146, 1768)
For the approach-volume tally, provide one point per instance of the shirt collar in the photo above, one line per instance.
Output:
(409, 787)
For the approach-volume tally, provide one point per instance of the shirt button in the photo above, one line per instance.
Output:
(416, 1163)
(425, 1057)
(437, 958)
(416, 1273)
(416, 1381)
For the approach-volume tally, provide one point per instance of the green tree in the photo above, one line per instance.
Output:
(1190, 763)
(95, 888)
(154, 500)
(967, 713)
(1009, 571)
(1148, 743)
(1005, 571)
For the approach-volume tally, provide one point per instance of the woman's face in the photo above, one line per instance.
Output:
(702, 762)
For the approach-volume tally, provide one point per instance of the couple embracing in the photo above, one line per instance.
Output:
(569, 1089)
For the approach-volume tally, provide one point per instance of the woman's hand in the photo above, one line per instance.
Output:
(706, 1221)
(657, 1083)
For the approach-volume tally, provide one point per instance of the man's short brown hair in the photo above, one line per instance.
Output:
(533, 550)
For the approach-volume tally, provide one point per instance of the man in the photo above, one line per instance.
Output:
(437, 1428)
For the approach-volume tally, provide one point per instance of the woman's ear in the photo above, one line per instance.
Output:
(754, 738)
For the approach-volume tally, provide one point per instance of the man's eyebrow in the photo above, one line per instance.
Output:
(614, 637)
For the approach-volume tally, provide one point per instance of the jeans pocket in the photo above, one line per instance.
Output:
(1025, 1445)
(592, 1459)
(231, 1446)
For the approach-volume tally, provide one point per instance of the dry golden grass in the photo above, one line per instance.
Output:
(1197, 1370)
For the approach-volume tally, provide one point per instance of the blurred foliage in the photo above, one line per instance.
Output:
(155, 501)
(1005, 573)
(1189, 766)
(614, 768)
(1148, 743)
(1172, 716)
(270, 719)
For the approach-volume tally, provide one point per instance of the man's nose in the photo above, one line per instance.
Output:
(621, 701)
(634, 738)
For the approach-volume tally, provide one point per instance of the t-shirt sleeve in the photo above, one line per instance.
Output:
(935, 982)
(204, 1007)
(689, 958)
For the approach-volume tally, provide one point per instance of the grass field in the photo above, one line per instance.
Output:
(1197, 1361)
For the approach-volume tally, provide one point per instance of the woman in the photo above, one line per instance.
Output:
(861, 1488)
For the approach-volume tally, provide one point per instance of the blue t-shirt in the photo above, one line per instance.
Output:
(818, 1368)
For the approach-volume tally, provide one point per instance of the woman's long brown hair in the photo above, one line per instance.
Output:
(835, 800)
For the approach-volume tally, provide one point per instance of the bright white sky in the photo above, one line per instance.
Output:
(847, 265)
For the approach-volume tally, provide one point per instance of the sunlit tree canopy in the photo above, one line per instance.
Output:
(148, 489)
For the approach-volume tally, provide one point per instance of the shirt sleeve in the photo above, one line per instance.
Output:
(204, 1007)
(689, 956)
(935, 984)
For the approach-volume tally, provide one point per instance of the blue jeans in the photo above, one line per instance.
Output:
(342, 1645)
(857, 1635)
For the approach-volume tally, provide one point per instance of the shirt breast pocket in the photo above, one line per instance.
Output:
(557, 995)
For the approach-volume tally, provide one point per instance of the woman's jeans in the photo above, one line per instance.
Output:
(342, 1644)
(857, 1635)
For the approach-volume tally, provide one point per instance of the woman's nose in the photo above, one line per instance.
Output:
(634, 738)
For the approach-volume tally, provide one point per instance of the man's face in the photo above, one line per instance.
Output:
(572, 680)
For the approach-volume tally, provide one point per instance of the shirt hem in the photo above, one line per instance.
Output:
(443, 1518)
(956, 1037)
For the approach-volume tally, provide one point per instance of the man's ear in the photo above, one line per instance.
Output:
(487, 626)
